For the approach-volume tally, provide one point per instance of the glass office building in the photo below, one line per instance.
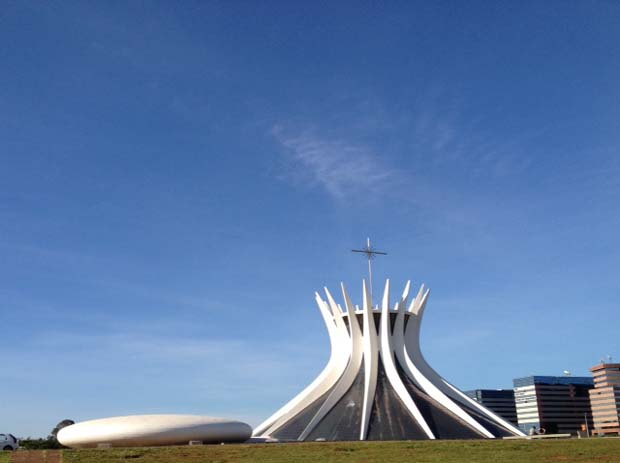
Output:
(556, 404)
(501, 401)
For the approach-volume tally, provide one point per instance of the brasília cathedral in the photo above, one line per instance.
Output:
(377, 384)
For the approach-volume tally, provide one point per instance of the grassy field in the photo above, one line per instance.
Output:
(566, 451)
(4, 457)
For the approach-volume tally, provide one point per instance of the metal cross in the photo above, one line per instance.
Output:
(370, 254)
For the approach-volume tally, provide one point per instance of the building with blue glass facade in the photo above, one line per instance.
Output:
(557, 404)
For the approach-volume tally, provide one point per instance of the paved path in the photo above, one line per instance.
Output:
(36, 456)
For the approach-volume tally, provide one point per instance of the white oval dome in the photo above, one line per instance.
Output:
(152, 430)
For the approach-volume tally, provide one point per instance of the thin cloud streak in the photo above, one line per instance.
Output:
(341, 168)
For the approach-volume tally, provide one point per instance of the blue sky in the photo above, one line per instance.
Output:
(178, 179)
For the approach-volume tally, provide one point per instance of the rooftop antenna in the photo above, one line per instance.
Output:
(370, 255)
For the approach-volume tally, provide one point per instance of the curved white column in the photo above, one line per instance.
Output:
(370, 361)
(390, 367)
(334, 369)
(410, 369)
(350, 372)
(412, 345)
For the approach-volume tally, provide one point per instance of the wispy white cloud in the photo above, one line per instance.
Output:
(373, 148)
(340, 167)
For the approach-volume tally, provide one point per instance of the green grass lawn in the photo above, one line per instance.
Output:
(567, 451)
(5, 456)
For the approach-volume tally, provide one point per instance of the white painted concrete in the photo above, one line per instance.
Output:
(396, 344)
(153, 430)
